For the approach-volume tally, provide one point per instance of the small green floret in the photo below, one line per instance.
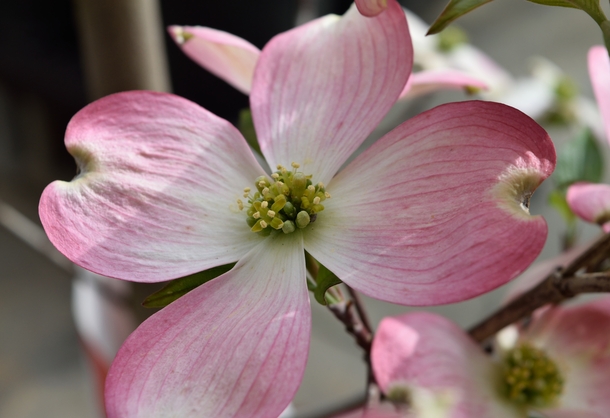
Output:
(287, 201)
(530, 378)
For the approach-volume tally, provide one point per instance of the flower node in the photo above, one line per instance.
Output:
(286, 202)
(530, 378)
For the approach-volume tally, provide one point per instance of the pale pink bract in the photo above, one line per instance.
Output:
(434, 212)
(233, 59)
(591, 202)
(447, 373)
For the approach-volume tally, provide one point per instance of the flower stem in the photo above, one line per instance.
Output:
(360, 309)
(349, 314)
(562, 284)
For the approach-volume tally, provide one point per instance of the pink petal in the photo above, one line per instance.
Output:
(578, 339)
(227, 56)
(591, 202)
(320, 89)
(156, 196)
(371, 8)
(424, 352)
(425, 82)
(432, 213)
(599, 71)
(233, 347)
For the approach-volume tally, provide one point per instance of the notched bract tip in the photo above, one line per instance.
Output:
(515, 189)
(180, 35)
(84, 163)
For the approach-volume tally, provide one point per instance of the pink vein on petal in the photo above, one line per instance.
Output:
(256, 318)
(318, 118)
(157, 194)
(395, 232)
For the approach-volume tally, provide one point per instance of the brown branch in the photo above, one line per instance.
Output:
(558, 286)
(344, 312)
(544, 293)
(360, 308)
(354, 325)
(586, 283)
(596, 253)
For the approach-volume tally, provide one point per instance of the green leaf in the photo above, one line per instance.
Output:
(591, 7)
(454, 9)
(325, 280)
(180, 287)
(245, 124)
(579, 160)
(557, 200)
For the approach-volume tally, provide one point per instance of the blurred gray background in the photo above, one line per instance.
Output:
(45, 79)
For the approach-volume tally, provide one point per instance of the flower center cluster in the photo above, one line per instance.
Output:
(530, 378)
(286, 202)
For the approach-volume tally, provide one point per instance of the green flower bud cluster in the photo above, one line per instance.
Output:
(530, 378)
(287, 202)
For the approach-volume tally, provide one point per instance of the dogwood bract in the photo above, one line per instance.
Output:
(590, 201)
(558, 366)
(434, 212)
(233, 59)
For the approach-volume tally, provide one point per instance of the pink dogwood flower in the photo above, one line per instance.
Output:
(589, 201)
(434, 212)
(559, 366)
(233, 59)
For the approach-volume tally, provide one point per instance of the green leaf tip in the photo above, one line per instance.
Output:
(454, 10)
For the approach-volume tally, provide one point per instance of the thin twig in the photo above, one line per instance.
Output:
(344, 312)
(558, 286)
(544, 293)
(586, 283)
(352, 314)
(355, 326)
(360, 308)
(596, 253)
